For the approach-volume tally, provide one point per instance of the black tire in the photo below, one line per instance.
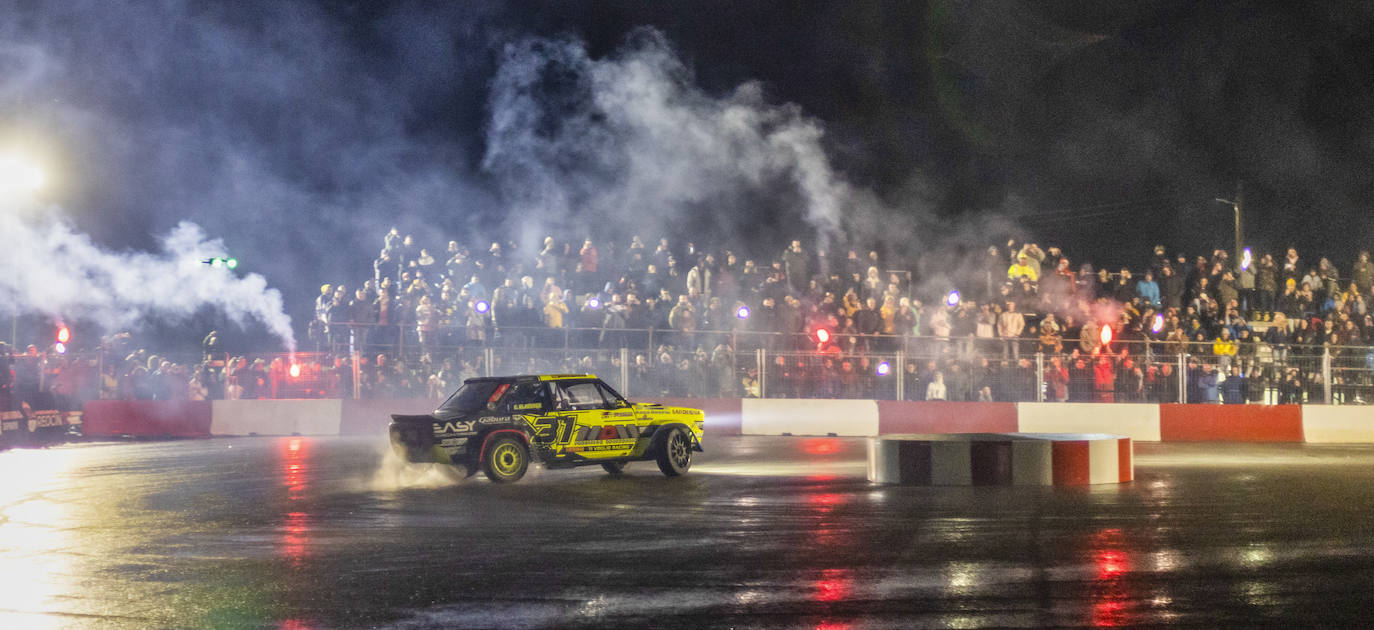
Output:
(505, 459)
(675, 452)
(615, 468)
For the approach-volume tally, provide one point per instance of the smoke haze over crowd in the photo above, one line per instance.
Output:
(296, 134)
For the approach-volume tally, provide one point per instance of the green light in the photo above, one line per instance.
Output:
(215, 262)
(231, 263)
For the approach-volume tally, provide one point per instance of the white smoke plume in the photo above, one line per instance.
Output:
(631, 139)
(51, 268)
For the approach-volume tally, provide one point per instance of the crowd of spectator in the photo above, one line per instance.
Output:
(1024, 324)
(680, 308)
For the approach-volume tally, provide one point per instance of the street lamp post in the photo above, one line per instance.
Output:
(1236, 206)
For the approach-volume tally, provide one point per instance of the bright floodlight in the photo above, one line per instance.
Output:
(19, 175)
(482, 306)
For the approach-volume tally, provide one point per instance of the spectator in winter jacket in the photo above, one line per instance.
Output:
(1207, 384)
(1024, 268)
(1010, 325)
(1362, 274)
(936, 389)
(1233, 388)
(1148, 289)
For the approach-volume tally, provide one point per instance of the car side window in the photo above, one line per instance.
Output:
(613, 400)
(529, 397)
(583, 396)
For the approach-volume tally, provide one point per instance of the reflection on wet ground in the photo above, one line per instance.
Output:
(764, 532)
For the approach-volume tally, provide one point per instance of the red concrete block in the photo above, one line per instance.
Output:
(147, 418)
(1070, 463)
(1230, 423)
(1123, 459)
(900, 416)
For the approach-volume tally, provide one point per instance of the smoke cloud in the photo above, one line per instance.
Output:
(629, 143)
(59, 272)
(630, 140)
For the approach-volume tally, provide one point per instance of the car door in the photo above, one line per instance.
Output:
(549, 427)
(601, 429)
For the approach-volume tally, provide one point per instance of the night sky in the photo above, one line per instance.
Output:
(299, 132)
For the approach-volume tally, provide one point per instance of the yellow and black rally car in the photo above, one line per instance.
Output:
(563, 420)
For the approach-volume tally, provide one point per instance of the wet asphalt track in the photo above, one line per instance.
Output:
(763, 533)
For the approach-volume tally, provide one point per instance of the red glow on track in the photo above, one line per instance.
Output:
(295, 537)
(1110, 593)
(820, 447)
(835, 585)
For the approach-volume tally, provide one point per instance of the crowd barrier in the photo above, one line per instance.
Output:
(815, 417)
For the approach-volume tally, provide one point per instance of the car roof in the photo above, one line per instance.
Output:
(529, 378)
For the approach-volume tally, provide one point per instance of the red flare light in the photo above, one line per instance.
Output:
(295, 370)
(1106, 334)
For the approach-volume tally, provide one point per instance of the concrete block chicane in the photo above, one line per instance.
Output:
(989, 459)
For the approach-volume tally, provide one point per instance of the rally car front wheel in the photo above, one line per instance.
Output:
(675, 454)
(505, 459)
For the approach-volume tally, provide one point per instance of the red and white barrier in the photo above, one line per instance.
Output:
(981, 459)
(724, 417)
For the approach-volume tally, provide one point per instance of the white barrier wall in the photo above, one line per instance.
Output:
(809, 417)
(1329, 424)
(1138, 422)
(276, 417)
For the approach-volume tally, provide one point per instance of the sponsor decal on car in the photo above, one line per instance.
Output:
(609, 432)
(463, 426)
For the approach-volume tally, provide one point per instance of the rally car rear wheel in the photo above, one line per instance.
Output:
(675, 455)
(615, 468)
(505, 459)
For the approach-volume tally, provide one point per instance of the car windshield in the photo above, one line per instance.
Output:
(472, 396)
